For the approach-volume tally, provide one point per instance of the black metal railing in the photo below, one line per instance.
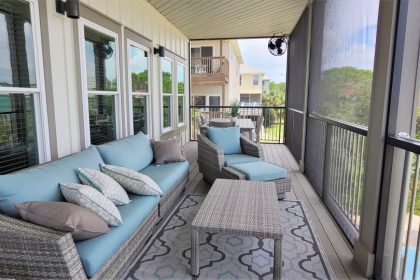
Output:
(272, 129)
(334, 164)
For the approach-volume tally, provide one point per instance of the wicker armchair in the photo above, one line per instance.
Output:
(211, 162)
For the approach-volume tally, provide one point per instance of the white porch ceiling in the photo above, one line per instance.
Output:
(216, 19)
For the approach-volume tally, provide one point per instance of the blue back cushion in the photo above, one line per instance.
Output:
(40, 183)
(134, 152)
(227, 138)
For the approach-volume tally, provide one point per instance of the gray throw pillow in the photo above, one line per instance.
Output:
(68, 217)
(166, 151)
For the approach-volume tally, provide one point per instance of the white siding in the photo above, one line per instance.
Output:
(137, 15)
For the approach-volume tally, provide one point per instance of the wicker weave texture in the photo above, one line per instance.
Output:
(167, 201)
(240, 207)
(29, 251)
(118, 264)
(247, 208)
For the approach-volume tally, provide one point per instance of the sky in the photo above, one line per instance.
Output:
(348, 41)
(255, 53)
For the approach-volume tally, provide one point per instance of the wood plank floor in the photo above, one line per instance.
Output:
(336, 246)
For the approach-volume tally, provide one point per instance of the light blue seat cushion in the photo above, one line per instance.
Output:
(261, 171)
(40, 183)
(239, 158)
(227, 138)
(95, 252)
(134, 152)
(168, 175)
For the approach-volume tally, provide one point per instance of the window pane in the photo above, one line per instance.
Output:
(214, 100)
(18, 146)
(255, 80)
(167, 105)
(16, 45)
(198, 100)
(101, 119)
(181, 79)
(342, 68)
(166, 76)
(100, 61)
(140, 114)
(180, 109)
(139, 70)
(195, 52)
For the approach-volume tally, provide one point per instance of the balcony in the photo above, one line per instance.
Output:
(209, 70)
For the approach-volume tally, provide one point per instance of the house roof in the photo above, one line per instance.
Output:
(208, 19)
(248, 69)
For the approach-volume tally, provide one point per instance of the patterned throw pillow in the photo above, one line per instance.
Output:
(93, 200)
(105, 184)
(132, 181)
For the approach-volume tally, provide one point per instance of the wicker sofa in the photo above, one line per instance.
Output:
(29, 251)
(214, 164)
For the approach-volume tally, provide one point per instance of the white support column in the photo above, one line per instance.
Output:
(364, 250)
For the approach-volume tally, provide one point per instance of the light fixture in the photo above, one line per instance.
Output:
(70, 7)
(160, 51)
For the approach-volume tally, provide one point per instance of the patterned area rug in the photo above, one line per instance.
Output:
(222, 256)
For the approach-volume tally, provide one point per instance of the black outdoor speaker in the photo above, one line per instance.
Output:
(71, 7)
(160, 51)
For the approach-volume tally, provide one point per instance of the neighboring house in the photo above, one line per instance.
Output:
(215, 72)
(251, 85)
(266, 85)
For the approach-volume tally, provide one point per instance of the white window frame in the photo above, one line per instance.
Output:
(85, 92)
(131, 43)
(40, 103)
(183, 95)
(172, 95)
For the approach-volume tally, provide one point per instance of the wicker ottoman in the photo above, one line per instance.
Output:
(239, 207)
(260, 171)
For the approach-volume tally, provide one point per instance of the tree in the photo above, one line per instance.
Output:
(345, 94)
(275, 95)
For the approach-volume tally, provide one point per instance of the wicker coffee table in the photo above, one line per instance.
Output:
(247, 208)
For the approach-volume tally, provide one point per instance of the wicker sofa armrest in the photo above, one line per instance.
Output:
(251, 148)
(29, 251)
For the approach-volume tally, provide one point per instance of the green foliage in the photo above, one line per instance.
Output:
(139, 81)
(181, 88)
(167, 82)
(345, 94)
(234, 110)
(276, 95)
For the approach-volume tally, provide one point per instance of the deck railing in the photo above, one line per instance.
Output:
(406, 260)
(209, 66)
(334, 164)
(272, 130)
(16, 150)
